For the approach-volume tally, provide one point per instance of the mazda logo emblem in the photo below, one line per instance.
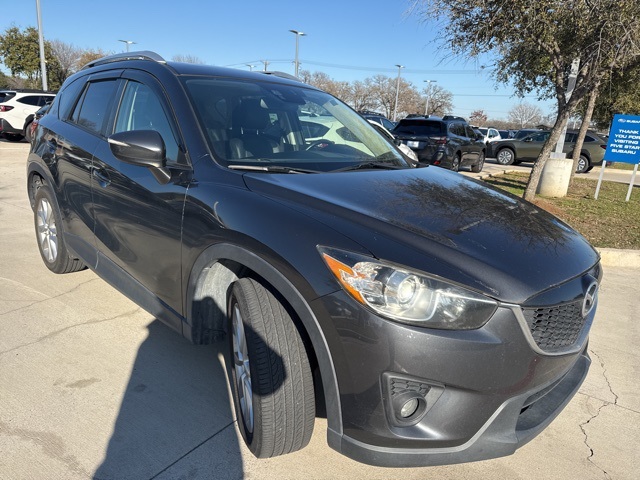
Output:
(589, 298)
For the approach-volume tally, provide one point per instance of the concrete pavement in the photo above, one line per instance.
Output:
(91, 386)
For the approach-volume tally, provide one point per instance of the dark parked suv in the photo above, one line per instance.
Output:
(435, 319)
(448, 142)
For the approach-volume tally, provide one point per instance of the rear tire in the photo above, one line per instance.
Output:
(505, 156)
(455, 163)
(50, 235)
(27, 132)
(269, 373)
(583, 164)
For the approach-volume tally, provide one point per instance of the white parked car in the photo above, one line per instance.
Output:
(389, 136)
(490, 134)
(17, 109)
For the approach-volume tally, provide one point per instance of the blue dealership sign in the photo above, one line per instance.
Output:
(624, 140)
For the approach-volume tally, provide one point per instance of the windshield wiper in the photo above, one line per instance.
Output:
(370, 165)
(272, 169)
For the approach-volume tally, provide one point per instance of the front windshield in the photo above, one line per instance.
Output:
(259, 123)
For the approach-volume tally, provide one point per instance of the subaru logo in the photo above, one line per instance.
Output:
(590, 298)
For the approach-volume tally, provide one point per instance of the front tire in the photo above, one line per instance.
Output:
(269, 373)
(477, 168)
(13, 137)
(49, 234)
(505, 156)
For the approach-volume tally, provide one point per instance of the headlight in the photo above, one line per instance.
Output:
(406, 296)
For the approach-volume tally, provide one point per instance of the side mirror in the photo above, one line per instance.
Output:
(144, 148)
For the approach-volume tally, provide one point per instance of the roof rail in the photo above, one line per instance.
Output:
(453, 117)
(120, 57)
(283, 75)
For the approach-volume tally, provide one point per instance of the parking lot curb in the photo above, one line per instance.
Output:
(494, 174)
(613, 257)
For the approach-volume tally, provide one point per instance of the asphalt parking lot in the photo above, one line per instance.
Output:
(91, 386)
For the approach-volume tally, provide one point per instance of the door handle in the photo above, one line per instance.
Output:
(101, 176)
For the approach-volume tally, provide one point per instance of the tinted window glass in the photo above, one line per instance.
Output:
(4, 96)
(589, 138)
(540, 137)
(388, 124)
(30, 100)
(141, 109)
(468, 132)
(93, 110)
(313, 130)
(457, 129)
(419, 128)
(570, 137)
(66, 99)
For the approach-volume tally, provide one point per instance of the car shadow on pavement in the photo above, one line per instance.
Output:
(176, 418)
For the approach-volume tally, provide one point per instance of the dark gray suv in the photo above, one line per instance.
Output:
(436, 320)
(447, 142)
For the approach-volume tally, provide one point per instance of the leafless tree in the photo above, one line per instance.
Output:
(186, 59)
(525, 115)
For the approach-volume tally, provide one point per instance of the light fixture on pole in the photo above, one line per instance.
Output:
(43, 64)
(250, 66)
(128, 42)
(426, 106)
(395, 108)
(298, 35)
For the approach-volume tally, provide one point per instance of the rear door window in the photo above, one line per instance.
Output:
(30, 100)
(92, 110)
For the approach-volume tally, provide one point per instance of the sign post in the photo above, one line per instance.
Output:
(623, 146)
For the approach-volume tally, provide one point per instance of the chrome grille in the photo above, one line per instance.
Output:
(557, 327)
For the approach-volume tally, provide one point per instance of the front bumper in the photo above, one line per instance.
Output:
(486, 392)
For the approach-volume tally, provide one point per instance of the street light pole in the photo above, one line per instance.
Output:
(43, 64)
(395, 108)
(250, 67)
(298, 34)
(127, 42)
(426, 107)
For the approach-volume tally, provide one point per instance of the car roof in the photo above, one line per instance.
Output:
(123, 60)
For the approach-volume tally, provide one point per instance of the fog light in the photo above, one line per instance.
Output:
(409, 408)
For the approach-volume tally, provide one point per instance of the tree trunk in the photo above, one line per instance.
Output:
(549, 146)
(586, 121)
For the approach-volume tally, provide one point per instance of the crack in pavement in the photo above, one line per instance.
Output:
(605, 403)
(62, 330)
(47, 297)
(232, 424)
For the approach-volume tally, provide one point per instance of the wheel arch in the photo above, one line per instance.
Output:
(36, 170)
(214, 272)
(27, 121)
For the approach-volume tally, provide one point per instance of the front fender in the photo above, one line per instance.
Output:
(214, 255)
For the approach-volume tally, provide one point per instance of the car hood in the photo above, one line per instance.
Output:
(442, 223)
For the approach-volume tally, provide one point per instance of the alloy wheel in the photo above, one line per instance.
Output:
(47, 231)
(242, 369)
